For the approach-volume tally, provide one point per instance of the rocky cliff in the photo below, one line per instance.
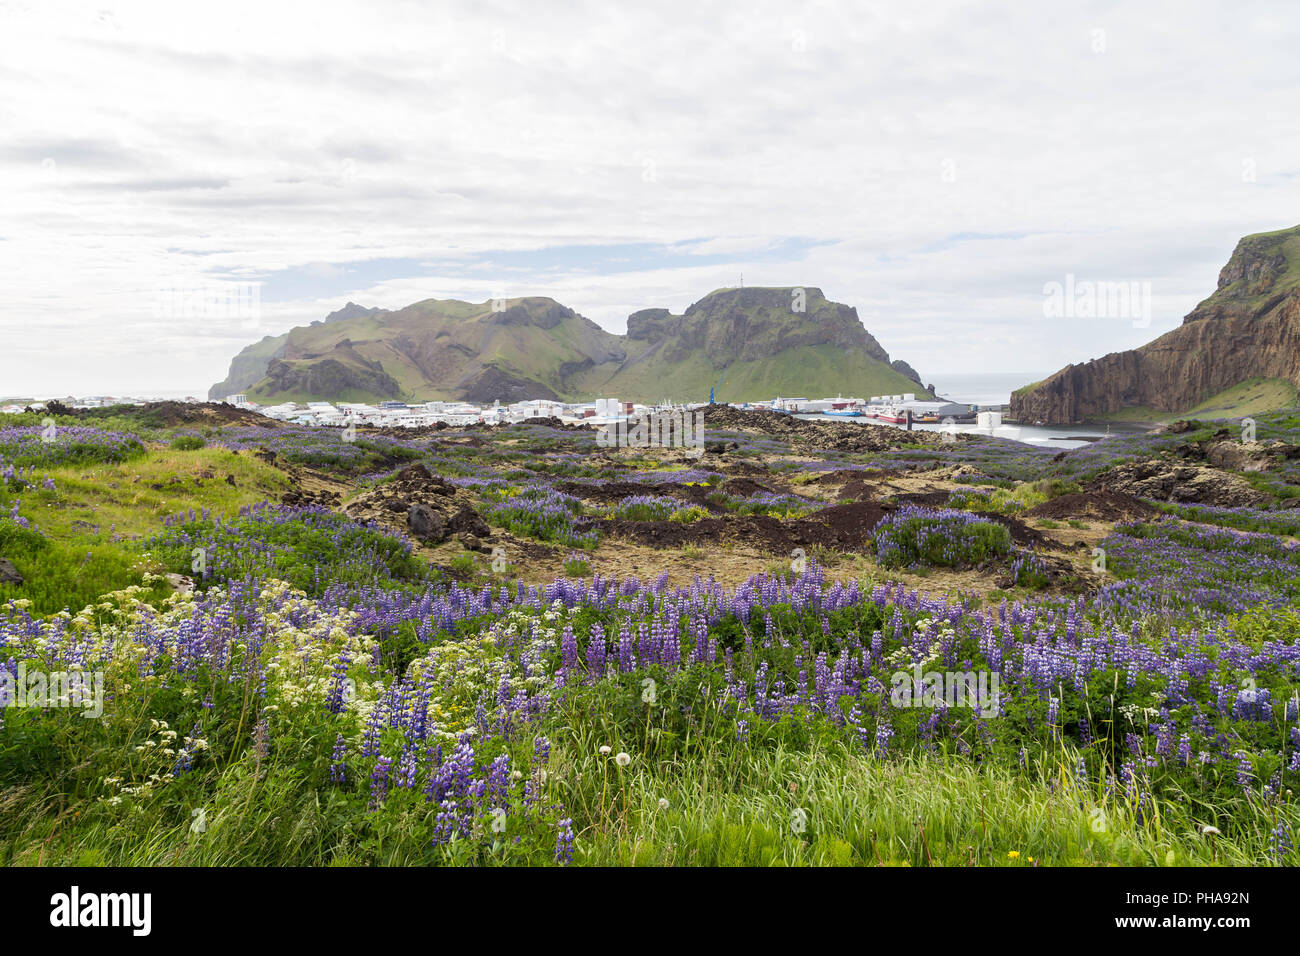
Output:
(744, 343)
(1249, 328)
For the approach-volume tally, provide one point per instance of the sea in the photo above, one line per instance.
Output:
(982, 388)
(995, 388)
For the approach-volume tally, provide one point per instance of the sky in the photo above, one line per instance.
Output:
(179, 180)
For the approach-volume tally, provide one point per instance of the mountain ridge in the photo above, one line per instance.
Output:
(746, 343)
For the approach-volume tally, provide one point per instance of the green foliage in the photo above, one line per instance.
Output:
(939, 540)
(576, 566)
(309, 548)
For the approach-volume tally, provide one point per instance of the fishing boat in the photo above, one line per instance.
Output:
(844, 412)
(887, 413)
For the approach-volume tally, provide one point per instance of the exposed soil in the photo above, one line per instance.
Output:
(1098, 505)
(743, 487)
(612, 492)
(845, 527)
(1232, 454)
(555, 423)
(856, 484)
(303, 497)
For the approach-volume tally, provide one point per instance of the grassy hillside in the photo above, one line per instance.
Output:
(747, 343)
(810, 371)
(91, 521)
(1251, 397)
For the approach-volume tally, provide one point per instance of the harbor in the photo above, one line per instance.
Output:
(902, 410)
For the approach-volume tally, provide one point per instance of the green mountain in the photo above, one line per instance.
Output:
(1237, 353)
(745, 343)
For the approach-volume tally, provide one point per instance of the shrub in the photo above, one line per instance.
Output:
(915, 536)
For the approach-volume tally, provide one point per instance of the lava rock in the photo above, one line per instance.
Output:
(8, 573)
(416, 472)
(469, 521)
(426, 524)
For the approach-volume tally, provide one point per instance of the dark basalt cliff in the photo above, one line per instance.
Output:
(1248, 328)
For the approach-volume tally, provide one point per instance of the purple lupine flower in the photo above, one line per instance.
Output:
(596, 653)
(564, 842)
(406, 770)
(1279, 841)
(338, 764)
(884, 734)
(379, 782)
(336, 700)
(1245, 771)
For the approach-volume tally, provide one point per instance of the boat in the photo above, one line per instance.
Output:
(887, 413)
(844, 413)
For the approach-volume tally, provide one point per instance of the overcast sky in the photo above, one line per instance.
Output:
(934, 164)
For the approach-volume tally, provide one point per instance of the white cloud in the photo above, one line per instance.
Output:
(157, 143)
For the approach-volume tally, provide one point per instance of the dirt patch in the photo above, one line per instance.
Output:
(743, 487)
(1021, 533)
(926, 499)
(612, 492)
(302, 497)
(856, 489)
(555, 423)
(855, 484)
(1099, 505)
(845, 527)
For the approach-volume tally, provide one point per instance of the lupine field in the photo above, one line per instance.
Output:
(585, 656)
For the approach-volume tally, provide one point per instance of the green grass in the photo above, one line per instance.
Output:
(1254, 396)
(747, 804)
(94, 520)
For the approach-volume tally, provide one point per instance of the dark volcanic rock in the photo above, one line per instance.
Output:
(426, 524)
(898, 365)
(331, 376)
(8, 573)
(469, 521)
(1179, 483)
